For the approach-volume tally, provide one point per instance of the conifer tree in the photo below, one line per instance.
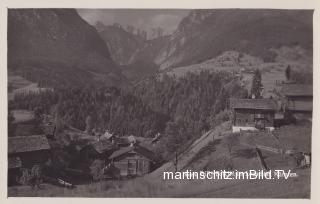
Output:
(256, 85)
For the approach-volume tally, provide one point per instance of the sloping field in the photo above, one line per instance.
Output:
(18, 85)
(22, 115)
(186, 157)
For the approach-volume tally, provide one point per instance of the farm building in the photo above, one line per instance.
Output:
(134, 160)
(298, 100)
(253, 114)
(90, 156)
(100, 149)
(31, 150)
(26, 152)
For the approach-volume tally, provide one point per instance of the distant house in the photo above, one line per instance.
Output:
(25, 152)
(253, 114)
(298, 100)
(98, 150)
(134, 160)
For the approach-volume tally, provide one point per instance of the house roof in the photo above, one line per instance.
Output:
(14, 162)
(102, 146)
(257, 104)
(297, 90)
(137, 148)
(31, 143)
(300, 106)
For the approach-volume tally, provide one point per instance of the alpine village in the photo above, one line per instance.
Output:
(102, 110)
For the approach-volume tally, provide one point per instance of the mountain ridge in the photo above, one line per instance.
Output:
(205, 34)
(58, 47)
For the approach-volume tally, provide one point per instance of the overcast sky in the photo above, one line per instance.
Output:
(167, 19)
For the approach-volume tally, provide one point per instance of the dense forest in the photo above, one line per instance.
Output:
(179, 108)
(104, 108)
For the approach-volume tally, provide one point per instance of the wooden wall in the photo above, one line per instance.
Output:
(133, 165)
(249, 118)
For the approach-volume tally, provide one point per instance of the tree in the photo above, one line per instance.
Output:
(172, 137)
(130, 29)
(11, 126)
(58, 114)
(159, 32)
(144, 34)
(288, 73)
(37, 120)
(256, 85)
(89, 124)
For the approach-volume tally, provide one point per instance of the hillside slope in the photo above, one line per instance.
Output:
(56, 46)
(186, 157)
(206, 33)
(132, 52)
(122, 44)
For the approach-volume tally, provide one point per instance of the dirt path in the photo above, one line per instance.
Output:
(191, 152)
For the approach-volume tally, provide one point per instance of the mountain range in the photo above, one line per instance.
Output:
(205, 34)
(56, 46)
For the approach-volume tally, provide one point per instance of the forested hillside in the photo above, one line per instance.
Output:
(179, 108)
(105, 108)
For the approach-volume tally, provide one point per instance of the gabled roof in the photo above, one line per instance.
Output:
(102, 146)
(300, 106)
(297, 90)
(257, 104)
(136, 148)
(31, 143)
(14, 162)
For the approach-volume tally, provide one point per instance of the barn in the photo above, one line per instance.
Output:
(298, 100)
(92, 158)
(253, 114)
(133, 160)
(97, 150)
(26, 152)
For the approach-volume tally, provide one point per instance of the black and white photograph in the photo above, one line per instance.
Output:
(159, 103)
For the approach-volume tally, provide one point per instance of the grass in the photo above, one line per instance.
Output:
(18, 85)
(22, 115)
(213, 155)
(140, 187)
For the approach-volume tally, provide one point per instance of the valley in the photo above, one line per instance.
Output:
(96, 110)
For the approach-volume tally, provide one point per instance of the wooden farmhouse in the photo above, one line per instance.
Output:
(133, 160)
(298, 100)
(253, 114)
(25, 152)
(89, 155)
(98, 150)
